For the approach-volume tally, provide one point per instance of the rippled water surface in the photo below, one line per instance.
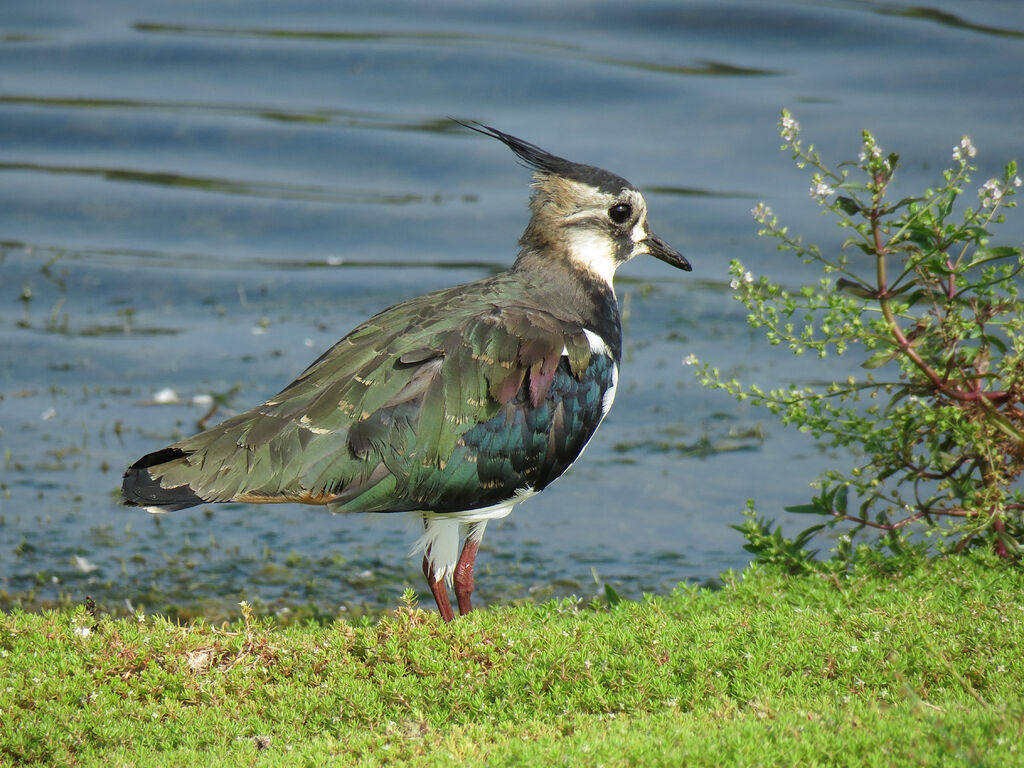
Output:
(203, 196)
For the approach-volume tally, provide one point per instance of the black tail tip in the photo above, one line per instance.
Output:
(140, 489)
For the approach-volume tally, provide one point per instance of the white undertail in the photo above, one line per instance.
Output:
(441, 540)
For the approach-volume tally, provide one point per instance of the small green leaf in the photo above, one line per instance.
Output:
(880, 358)
(916, 296)
(983, 255)
(904, 202)
(976, 233)
(1004, 425)
(856, 289)
(901, 289)
(849, 205)
(946, 206)
(611, 595)
(996, 342)
(840, 498)
(922, 236)
(806, 535)
(805, 509)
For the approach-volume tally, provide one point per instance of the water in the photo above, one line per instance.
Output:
(203, 198)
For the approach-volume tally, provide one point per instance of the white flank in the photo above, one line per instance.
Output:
(593, 252)
(597, 345)
(609, 394)
(441, 541)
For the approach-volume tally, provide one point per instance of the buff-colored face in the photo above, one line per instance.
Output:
(599, 230)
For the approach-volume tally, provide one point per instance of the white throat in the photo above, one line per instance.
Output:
(592, 252)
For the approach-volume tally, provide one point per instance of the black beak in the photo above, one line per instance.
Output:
(659, 249)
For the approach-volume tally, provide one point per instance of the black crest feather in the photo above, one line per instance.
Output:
(544, 162)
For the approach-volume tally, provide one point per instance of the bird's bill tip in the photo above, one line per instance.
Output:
(662, 251)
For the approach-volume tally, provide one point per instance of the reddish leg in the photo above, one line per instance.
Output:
(440, 592)
(464, 575)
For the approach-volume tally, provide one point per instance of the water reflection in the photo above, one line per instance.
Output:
(279, 113)
(230, 186)
(941, 17)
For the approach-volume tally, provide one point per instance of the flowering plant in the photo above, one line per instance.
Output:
(936, 422)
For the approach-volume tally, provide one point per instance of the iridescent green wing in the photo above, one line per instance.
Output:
(372, 424)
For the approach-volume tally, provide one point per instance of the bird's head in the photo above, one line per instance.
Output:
(596, 219)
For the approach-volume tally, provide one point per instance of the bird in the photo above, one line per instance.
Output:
(454, 406)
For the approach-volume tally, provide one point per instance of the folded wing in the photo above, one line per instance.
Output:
(440, 403)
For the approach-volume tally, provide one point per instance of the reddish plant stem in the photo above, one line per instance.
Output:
(902, 341)
(999, 545)
(988, 476)
(899, 523)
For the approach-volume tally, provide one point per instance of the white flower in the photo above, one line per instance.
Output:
(690, 359)
(82, 631)
(821, 190)
(1016, 181)
(869, 152)
(964, 149)
(761, 213)
(734, 283)
(789, 127)
(990, 194)
(748, 278)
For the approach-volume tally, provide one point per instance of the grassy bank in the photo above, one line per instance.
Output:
(920, 668)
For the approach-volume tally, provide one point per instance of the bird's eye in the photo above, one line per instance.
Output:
(620, 212)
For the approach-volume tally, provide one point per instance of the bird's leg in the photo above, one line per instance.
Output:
(439, 590)
(464, 576)
(464, 568)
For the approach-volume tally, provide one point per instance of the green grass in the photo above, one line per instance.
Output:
(920, 668)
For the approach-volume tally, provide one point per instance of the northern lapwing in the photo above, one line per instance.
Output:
(456, 405)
